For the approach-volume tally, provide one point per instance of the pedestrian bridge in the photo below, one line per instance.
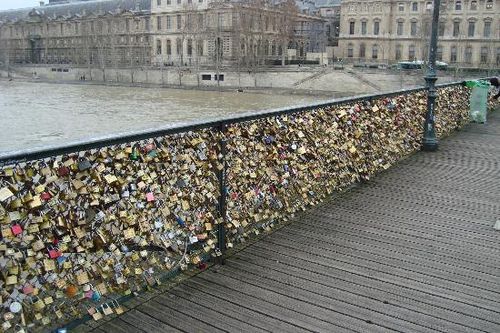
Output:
(412, 250)
(319, 218)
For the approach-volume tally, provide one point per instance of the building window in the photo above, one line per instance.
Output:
(414, 6)
(376, 28)
(484, 54)
(498, 56)
(411, 52)
(468, 55)
(473, 5)
(190, 47)
(375, 52)
(453, 54)
(158, 3)
(147, 24)
(439, 53)
(352, 26)
(199, 49)
(362, 50)
(456, 29)
(458, 5)
(158, 47)
(413, 28)
(169, 22)
(363, 28)
(350, 51)
(472, 28)
(489, 4)
(158, 23)
(487, 29)
(179, 22)
(401, 7)
(400, 29)
(399, 52)
(178, 44)
(169, 47)
(428, 6)
(441, 28)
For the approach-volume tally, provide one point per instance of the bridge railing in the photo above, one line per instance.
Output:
(84, 223)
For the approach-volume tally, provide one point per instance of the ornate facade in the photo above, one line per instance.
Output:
(131, 33)
(114, 33)
(247, 33)
(392, 31)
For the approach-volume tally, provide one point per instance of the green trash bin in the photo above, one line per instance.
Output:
(478, 100)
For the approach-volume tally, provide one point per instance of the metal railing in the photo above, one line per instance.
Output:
(240, 190)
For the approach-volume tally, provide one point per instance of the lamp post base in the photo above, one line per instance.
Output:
(430, 144)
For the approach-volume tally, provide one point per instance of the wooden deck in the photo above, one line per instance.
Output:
(413, 250)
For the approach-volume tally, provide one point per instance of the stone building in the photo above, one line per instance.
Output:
(98, 34)
(132, 33)
(390, 31)
(245, 33)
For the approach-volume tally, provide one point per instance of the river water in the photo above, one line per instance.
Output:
(40, 114)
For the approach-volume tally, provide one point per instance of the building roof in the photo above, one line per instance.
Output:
(77, 8)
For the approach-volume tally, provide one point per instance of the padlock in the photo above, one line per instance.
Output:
(37, 303)
(117, 307)
(82, 278)
(53, 252)
(16, 229)
(84, 164)
(11, 280)
(106, 309)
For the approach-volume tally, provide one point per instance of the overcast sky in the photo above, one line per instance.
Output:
(10, 4)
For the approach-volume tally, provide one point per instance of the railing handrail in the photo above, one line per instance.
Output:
(12, 157)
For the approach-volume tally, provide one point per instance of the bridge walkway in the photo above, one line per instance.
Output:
(413, 250)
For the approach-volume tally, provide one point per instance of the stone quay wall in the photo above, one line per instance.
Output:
(83, 225)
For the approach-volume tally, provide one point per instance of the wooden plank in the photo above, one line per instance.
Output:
(392, 287)
(206, 314)
(346, 237)
(261, 304)
(119, 326)
(143, 321)
(288, 301)
(393, 256)
(403, 239)
(234, 310)
(96, 330)
(338, 300)
(378, 272)
(478, 292)
(428, 220)
(384, 295)
(174, 318)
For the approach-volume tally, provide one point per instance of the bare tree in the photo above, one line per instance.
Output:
(286, 26)
(4, 50)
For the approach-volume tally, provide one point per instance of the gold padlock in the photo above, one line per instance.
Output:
(11, 280)
(38, 304)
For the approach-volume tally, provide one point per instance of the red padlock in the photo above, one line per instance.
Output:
(16, 229)
(45, 196)
(28, 289)
(54, 253)
(63, 171)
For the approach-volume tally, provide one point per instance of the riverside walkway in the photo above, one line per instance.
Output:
(413, 250)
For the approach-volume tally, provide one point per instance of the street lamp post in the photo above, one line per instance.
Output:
(430, 141)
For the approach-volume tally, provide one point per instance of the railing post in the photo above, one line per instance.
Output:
(221, 227)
